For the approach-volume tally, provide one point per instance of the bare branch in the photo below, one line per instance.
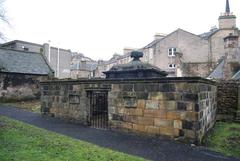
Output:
(3, 18)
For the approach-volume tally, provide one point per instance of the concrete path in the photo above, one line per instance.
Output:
(158, 149)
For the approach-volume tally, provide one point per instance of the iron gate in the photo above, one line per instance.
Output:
(98, 109)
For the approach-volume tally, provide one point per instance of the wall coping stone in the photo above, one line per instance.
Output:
(137, 80)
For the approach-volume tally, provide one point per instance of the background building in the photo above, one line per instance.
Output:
(59, 59)
(182, 53)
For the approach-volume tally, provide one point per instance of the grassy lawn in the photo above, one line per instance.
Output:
(225, 138)
(33, 106)
(23, 142)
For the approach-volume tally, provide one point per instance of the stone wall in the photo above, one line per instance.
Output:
(20, 87)
(183, 108)
(228, 100)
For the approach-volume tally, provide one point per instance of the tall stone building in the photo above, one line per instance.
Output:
(182, 53)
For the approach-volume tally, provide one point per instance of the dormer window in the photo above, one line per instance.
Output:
(24, 48)
(171, 52)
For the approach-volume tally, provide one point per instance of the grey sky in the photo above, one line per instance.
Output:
(100, 28)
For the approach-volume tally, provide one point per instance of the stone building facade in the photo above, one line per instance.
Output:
(20, 74)
(183, 108)
(82, 66)
(59, 59)
(182, 53)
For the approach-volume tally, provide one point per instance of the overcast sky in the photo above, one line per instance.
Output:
(100, 28)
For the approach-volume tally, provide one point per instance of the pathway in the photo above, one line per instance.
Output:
(152, 148)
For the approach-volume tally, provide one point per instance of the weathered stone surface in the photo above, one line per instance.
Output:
(155, 96)
(141, 104)
(173, 115)
(187, 125)
(130, 102)
(139, 87)
(189, 116)
(189, 97)
(167, 87)
(177, 124)
(161, 114)
(127, 125)
(116, 87)
(152, 104)
(117, 117)
(131, 119)
(140, 128)
(163, 123)
(152, 129)
(167, 105)
(169, 131)
(127, 87)
(133, 112)
(145, 120)
(152, 87)
(142, 95)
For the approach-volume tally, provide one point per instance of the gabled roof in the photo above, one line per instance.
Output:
(236, 76)
(217, 73)
(19, 41)
(154, 42)
(14, 61)
(206, 35)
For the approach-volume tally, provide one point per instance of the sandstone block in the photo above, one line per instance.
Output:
(168, 105)
(161, 114)
(177, 124)
(115, 87)
(152, 129)
(190, 134)
(152, 104)
(141, 104)
(155, 96)
(149, 113)
(127, 125)
(167, 131)
(145, 120)
(189, 116)
(140, 128)
(131, 119)
(173, 115)
(130, 102)
(163, 123)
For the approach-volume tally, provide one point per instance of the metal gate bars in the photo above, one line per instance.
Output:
(98, 109)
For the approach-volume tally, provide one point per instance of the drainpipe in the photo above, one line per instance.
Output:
(58, 63)
(49, 51)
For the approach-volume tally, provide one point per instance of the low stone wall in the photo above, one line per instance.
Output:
(228, 100)
(183, 108)
(20, 87)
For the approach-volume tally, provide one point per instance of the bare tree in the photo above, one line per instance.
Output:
(3, 18)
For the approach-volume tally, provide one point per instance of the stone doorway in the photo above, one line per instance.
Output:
(98, 109)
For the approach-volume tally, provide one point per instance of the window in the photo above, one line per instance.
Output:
(171, 65)
(24, 48)
(171, 52)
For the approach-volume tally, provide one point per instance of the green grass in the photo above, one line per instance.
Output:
(23, 142)
(225, 138)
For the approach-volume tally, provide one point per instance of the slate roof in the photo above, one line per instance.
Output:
(206, 35)
(236, 76)
(14, 61)
(217, 73)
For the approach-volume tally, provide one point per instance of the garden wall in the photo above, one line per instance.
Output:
(228, 100)
(20, 87)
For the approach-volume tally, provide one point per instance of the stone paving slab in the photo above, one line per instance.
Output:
(153, 148)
